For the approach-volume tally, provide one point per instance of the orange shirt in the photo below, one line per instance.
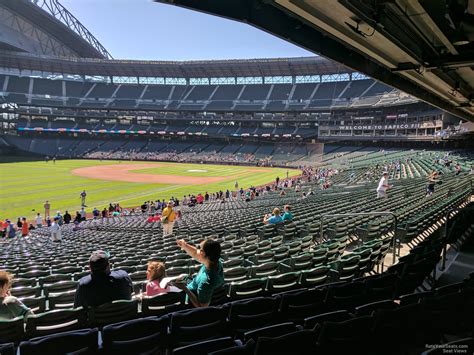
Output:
(24, 228)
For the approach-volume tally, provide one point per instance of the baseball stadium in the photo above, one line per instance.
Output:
(318, 204)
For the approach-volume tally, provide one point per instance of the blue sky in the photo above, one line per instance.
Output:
(143, 29)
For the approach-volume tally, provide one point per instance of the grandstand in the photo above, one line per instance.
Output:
(350, 273)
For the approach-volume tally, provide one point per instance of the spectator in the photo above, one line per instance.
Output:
(55, 230)
(102, 285)
(153, 218)
(67, 217)
(47, 207)
(83, 198)
(10, 306)
(383, 186)
(24, 227)
(78, 217)
(10, 229)
(287, 216)
(458, 169)
(39, 220)
(59, 217)
(19, 223)
(105, 213)
(168, 216)
(48, 221)
(154, 274)
(432, 180)
(3, 228)
(200, 199)
(83, 214)
(210, 276)
(273, 218)
(95, 213)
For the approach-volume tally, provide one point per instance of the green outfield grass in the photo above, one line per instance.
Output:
(26, 185)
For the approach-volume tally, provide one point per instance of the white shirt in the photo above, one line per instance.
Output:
(39, 220)
(55, 228)
(382, 184)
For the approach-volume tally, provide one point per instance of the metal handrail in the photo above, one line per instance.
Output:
(445, 230)
(393, 215)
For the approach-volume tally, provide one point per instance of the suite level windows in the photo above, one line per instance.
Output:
(145, 80)
(125, 80)
(278, 80)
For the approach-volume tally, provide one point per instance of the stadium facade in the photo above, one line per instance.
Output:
(75, 92)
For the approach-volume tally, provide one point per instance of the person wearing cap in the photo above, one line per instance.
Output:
(83, 198)
(102, 285)
(168, 216)
(383, 186)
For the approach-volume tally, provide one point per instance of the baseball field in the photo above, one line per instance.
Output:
(25, 186)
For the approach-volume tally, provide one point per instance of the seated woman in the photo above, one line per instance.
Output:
(287, 216)
(273, 218)
(211, 275)
(10, 306)
(154, 274)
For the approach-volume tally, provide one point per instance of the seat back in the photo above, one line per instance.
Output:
(283, 282)
(270, 331)
(301, 342)
(296, 306)
(60, 286)
(36, 304)
(318, 320)
(315, 276)
(347, 336)
(247, 289)
(7, 349)
(61, 300)
(206, 347)
(251, 314)
(187, 327)
(26, 291)
(136, 336)
(163, 304)
(235, 274)
(266, 269)
(113, 312)
(55, 321)
(12, 330)
(79, 341)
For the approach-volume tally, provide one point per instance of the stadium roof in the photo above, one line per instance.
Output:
(422, 47)
(198, 69)
(46, 27)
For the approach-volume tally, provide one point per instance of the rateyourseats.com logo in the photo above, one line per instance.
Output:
(450, 348)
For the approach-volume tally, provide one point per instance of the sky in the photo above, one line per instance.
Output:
(143, 29)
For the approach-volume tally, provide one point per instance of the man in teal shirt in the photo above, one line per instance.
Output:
(287, 216)
(209, 277)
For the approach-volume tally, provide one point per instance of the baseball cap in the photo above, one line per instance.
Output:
(99, 260)
(99, 255)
